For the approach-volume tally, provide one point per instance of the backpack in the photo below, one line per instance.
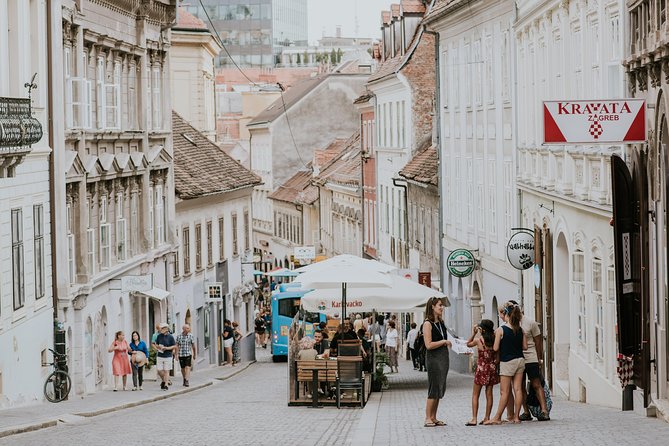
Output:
(419, 343)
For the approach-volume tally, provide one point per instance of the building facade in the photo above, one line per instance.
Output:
(570, 50)
(254, 32)
(403, 89)
(118, 210)
(648, 75)
(283, 137)
(365, 105)
(31, 122)
(213, 230)
(476, 150)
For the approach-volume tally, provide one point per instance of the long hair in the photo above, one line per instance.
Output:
(513, 312)
(429, 311)
(487, 332)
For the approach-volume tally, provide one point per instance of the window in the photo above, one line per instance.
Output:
(198, 246)
(235, 243)
(508, 197)
(134, 223)
(611, 281)
(38, 232)
(186, 247)
(221, 239)
(175, 261)
(105, 236)
(578, 276)
(71, 264)
(159, 215)
(132, 96)
(17, 259)
(156, 84)
(492, 197)
(91, 245)
(112, 99)
(210, 250)
(597, 289)
(152, 221)
(121, 237)
(100, 91)
(247, 242)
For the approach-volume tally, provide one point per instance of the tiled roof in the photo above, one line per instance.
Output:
(412, 6)
(388, 67)
(385, 17)
(290, 98)
(423, 167)
(201, 167)
(297, 189)
(186, 20)
(438, 9)
(346, 166)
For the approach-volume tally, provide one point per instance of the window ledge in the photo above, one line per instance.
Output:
(186, 275)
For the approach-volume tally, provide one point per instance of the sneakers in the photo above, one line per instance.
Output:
(186, 383)
(525, 417)
(163, 386)
(543, 416)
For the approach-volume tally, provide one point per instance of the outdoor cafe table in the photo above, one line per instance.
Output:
(328, 363)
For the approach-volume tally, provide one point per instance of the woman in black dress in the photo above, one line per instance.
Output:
(436, 358)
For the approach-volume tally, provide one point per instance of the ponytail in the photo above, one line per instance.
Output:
(514, 317)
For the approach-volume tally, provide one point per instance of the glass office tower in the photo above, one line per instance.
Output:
(254, 31)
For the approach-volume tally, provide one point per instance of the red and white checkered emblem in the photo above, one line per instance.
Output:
(596, 129)
(625, 369)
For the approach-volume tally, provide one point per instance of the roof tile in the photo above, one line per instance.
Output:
(186, 20)
(297, 189)
(423, 167)
(413, 6)
(201, 167)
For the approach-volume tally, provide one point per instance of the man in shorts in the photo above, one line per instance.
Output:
(186, 344)
(165, 345)
(533, 366)
(228, 341)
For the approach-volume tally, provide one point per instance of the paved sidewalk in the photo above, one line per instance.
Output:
(395, 417)
(43, 415)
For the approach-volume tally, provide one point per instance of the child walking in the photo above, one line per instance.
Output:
(486, 368)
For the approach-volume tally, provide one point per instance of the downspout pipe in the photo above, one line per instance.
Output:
(52, 168)
(398, 182)
(436, 132)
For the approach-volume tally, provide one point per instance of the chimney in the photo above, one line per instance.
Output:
(338, 35)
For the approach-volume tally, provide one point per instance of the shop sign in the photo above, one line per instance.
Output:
(520, 250)
(593, 122)
(425, 279)
(137, 283)
(304, 252)
(460, 263)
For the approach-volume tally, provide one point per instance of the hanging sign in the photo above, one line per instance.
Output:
(520, 250)
(137, 283)
(214, 292)
(592, 122)
(460, 263)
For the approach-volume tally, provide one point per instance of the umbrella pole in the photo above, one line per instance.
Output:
(343, 302)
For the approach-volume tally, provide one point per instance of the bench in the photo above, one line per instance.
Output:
(314, 372)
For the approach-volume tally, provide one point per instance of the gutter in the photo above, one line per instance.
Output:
(397, 182)
(52, 168)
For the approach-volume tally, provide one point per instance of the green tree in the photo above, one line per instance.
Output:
(305, 57)
(333, 57)
(299, 59)
(340, 53)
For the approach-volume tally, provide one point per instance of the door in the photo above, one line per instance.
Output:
(548, 307)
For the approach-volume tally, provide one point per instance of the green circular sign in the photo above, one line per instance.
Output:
(460, 263)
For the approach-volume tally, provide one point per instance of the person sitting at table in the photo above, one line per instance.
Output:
(307, 351)
(321, 345)
(345, 333)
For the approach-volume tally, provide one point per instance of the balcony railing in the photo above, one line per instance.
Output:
(18, 131)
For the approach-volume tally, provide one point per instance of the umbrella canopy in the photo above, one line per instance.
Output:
(257, 273)
(344, 260)
(281, 272)
(402, 295)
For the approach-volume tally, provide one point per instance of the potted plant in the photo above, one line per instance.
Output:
(379, 379)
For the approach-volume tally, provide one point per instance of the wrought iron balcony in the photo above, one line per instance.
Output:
(18, 131)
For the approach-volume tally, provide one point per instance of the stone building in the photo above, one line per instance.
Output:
(569, 50)
(403, 89)
(648, 78)
(477, 184)
(31, 126)
(118, 211)
(284, 135)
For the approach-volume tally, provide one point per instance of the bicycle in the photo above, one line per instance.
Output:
(58, 383)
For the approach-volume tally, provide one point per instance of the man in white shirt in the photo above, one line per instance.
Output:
(411, 341)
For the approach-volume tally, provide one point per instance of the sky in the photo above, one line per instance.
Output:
(328, 14)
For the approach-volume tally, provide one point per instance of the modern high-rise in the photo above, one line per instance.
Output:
(254, 31)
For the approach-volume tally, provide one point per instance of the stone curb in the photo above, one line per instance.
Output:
(21, 429)
(363, 434)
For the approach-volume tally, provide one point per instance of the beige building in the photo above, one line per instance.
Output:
(193, 78)
(119, 205)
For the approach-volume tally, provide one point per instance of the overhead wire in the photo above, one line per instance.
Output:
(281, 89)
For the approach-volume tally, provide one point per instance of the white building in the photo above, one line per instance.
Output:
(213, 228)
(118, 210)
(26, 292)
(477, 185)
(570, 50)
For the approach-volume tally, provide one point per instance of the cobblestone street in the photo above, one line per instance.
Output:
(250, 409)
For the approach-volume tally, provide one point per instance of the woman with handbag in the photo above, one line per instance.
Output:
(139, 356)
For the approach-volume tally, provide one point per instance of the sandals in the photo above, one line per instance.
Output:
(469, 423)
(429, 424)
(439, 423)
(492, 423)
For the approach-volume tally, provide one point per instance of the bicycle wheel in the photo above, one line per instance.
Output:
(57, 386)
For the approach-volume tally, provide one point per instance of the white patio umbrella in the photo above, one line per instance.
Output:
(344, 273)
(346, 260)
(402, 295)
(281, 272)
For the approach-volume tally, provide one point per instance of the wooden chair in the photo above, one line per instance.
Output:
(349, 348)
(350, 377)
